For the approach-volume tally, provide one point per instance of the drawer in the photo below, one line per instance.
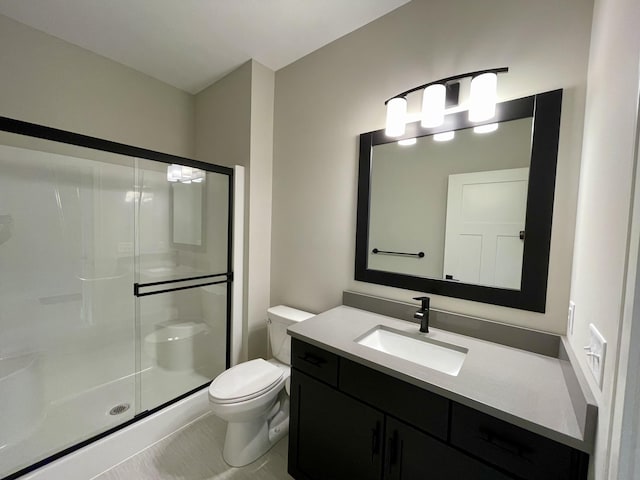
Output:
(314, 361)
(526, 454)
(420, 408)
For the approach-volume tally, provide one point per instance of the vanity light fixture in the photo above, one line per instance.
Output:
(491, 127)
(444, 136)
(184, 174)
(439, 95)
(407, 141)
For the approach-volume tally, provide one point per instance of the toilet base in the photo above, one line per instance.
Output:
(245, 442)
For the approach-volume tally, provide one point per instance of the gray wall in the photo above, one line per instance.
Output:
(327, 98)
(234, 126)
(260, 188)
(51, 82)
(223, 119)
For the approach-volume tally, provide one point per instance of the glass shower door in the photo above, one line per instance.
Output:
(67, 345)
(115, 275)
(182, 276)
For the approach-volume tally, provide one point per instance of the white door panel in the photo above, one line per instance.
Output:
(508, 270)
(485, 215)
(469, 262)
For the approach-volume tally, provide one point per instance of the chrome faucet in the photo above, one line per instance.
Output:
(423, 314)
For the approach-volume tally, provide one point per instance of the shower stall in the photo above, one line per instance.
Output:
(115, 287)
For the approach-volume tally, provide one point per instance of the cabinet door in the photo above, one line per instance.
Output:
(413, 455)
(332, 436)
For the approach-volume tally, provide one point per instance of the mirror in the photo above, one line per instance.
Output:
(187, 213)
(469, 217)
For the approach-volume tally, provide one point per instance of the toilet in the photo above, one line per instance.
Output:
(253, 396)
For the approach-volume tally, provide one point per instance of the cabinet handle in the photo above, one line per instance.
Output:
(393, 450)
(375, 441)
(312, 359)
(503, 443)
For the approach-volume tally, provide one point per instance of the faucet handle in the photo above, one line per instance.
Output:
(425, 302)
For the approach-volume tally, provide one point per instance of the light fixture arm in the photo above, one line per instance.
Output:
(447, 80)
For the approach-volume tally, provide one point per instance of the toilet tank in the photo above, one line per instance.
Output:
(279, 318)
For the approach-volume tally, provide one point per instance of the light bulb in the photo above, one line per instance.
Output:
(482, 97)
(407, 142)
(396, 113)
(433, 102)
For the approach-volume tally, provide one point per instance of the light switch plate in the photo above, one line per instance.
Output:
(596, 351)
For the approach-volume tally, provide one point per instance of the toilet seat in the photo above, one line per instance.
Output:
(245, 381)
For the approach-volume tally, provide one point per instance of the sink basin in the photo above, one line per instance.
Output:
(430, 353)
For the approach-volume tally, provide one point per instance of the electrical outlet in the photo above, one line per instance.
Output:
(596, 351)
(570, 316)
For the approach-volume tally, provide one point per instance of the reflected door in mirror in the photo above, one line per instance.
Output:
(485, 215)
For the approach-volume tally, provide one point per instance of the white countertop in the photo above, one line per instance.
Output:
(524, 388)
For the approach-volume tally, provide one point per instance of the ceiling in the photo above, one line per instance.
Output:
(192, 43)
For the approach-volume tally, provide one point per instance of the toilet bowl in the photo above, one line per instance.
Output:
(252, 397)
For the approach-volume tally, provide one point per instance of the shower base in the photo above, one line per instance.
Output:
(74, 419)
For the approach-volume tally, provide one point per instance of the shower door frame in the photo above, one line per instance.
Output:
(20, 127)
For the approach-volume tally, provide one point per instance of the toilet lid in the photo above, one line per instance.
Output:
(244, 381)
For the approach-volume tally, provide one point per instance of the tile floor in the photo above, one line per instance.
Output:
(195, 453)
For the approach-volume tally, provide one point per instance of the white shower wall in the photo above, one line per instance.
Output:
(66, 292)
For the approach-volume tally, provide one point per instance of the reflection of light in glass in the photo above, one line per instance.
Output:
(407, 141)
(492, 127)
(444, 136)
(174, 173)
(132, 196)
(184, 174)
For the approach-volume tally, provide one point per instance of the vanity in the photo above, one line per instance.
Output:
(472, 399)
(360, 413)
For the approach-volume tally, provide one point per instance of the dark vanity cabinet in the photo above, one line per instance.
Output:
(337, 437)
(352, 422)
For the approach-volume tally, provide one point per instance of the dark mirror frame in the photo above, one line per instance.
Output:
(545, 109)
